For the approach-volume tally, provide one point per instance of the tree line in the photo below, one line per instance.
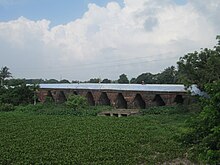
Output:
(168, 76)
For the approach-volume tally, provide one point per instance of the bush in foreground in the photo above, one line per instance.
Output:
(5, 107)
(76, 102)
(204, 132)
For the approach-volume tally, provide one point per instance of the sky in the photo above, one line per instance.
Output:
(83, 39)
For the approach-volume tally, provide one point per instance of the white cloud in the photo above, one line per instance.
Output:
(147, 35)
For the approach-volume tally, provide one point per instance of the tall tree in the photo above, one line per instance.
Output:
(123, 79)
(200, 67)
(51, 81)
(4, 73)
(133, 81)
(64, 81)
(75, 81)
(168, 76)
(106, 81)
(15, 82)
(146, 78)
(94, 80)
(34, 81)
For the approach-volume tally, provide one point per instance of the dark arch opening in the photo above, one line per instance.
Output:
(49, 97)
(121, 102)
(179, 99)
(61, 97)
(104, 100)
(75, 93)
(139, 103)
(90, 99)
(159, 101)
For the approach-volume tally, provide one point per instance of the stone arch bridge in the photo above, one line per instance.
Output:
(121, 96)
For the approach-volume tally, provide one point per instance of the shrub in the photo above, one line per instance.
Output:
(48, 100)
(178, 109)
(30, 108)
(21, 94)
(76, 102)
(194, 107)
(5, 107)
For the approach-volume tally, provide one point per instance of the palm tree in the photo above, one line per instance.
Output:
(4, 73)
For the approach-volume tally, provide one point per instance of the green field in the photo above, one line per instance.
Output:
(29, 138)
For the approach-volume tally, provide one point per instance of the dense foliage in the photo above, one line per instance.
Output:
(64, 81)
(15, 95)
(76, 102)
(5, 107)
(202, 68)
(168, 76)
(94, 80)
(146, 78)
(123, 79)
(106, 81)
(204, 132)
(15, 92)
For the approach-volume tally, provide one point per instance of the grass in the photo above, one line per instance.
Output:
(30, 138)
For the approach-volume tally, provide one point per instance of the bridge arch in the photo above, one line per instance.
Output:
(75, 93)
(90, 99)
(139, 103)
(120, 102)
(178, 99)
(103, 99)
(49, 97)
(158, 100)
(61, 98)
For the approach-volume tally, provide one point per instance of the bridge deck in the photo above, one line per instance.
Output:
(118, 87)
